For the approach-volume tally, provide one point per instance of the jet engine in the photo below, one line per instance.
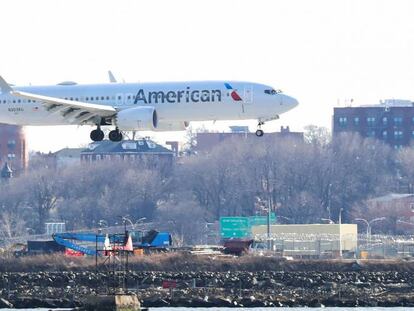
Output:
(172, 126)
(137, 118)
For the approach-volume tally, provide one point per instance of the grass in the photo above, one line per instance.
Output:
(187, 262)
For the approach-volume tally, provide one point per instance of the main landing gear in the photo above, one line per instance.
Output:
(259, 132)
(115, 135)
(97, 135)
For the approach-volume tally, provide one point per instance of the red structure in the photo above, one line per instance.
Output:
(13, 148)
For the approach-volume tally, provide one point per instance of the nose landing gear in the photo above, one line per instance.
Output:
(260, 132)
(97, 135)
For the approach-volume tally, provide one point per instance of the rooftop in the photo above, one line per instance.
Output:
(126, 146)
(391, 197)
(69, 152)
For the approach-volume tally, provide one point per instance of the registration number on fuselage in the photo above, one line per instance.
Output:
(15, 109)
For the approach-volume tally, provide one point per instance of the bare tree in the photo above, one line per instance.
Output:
(317, 135)
(41, 194)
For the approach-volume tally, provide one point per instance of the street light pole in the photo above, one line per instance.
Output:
(340, 234)
(367, 223)
(329, 200)
(369, 226)
(269, 204)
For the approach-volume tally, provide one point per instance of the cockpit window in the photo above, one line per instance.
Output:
(272, 91)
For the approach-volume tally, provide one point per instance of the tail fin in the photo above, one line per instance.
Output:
(111, 77)
(4, 86)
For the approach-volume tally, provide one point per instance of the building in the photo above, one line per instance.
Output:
(396, 208)
(311, 240)
(207, 140)
(13, 149)
(132, 150)
(392, 121)
(140, 150)
(67, 156)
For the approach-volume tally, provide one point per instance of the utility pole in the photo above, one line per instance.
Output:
(340, 233)
(269, 204)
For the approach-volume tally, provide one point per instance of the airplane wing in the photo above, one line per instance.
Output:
(76, 112)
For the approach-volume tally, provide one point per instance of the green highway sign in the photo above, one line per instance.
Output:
(234, 227)
(262, 220)
(241, 227)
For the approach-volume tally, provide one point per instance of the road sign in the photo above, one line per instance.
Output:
(262, 220)
(234, 227)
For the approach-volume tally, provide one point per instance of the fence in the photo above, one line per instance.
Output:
(331, 246)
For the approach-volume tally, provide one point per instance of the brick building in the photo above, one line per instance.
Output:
(13, 149)
(142, 150)
(397, 208)
(392, 122)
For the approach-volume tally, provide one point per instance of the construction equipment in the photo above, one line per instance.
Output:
(152, 240)
(103, 244)
(90, 242)
(43, 247)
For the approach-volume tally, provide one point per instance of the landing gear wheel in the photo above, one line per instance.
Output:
(97, 135)
(115, 135)
(259, 133)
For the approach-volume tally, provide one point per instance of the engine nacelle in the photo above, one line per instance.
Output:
(172, 126)
(137, 118)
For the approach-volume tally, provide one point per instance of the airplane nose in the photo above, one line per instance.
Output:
(290, 101)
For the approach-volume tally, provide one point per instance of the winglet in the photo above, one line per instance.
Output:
(111, 77)
(4, 86)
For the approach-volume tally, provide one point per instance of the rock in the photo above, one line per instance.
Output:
(5, 304)
(155, 303)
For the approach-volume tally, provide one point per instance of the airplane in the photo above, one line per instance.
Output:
(167, 106)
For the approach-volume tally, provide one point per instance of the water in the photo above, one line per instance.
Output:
(285, 309)
(253, 309)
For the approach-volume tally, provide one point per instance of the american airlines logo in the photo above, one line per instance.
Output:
(234, 94)
(183, 96)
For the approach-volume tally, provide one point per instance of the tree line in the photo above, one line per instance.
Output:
(303, 181)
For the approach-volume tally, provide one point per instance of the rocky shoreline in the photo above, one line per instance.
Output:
(67, 289)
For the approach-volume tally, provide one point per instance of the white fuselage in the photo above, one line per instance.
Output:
(173, 101)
